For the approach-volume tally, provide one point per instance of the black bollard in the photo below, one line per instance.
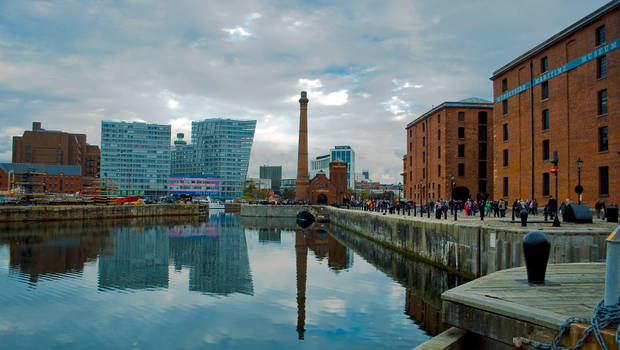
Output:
(428, 211)
(482, 213)
(445, 214)
(536, 246)
(455, 214)
(523, 216)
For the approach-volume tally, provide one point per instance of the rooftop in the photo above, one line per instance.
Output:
(472, 102)
(51, 169)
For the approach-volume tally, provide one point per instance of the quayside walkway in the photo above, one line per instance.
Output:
(499, 309)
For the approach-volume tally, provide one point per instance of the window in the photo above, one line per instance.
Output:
(505, 106)
(422, 126)
(505, 187)
(410, 146)
(438, 118)
(545, 149)
(482, 133)
(482, 151)
(461, 151)
(411, 161)
(545, 119)
(601, 67)
(461, 116)
(600, 35)
(506, 132)
(461, 133)
(410, 133)
(438, 134)
(423, 172)
(482, 170)
(439, 190)
(438, 169)
(482, 117)
(482, 186)
(504, 85)
(544, 94)
(423, 156)
(602, 102)
(439, 152)
(544, 64)
(461, 169)
(603, 180)
(423, 140)
(545, 185)
(603, 142)
(505, 157)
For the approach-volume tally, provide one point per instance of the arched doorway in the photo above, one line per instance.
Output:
(461, 193)
(321, 199)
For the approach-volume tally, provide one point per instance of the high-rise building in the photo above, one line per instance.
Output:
(449, 152)
(137, 156)
(347, 155)
(274, 173)
(561, 95)
(320, 164)
(220, 148)
(40, 146)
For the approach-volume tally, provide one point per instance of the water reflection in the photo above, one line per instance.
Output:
(174, 267)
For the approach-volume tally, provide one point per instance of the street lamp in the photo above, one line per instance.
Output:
(579, 188)
(400, 185)
(453, 204)
(555, 160)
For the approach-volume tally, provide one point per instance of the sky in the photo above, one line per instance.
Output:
(370, 67)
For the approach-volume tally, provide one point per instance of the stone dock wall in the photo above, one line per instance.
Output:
(471, 250)
(270, 211)
(80, 212)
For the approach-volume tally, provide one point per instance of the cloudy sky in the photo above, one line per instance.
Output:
(369, 67)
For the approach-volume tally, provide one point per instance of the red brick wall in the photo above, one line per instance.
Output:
(437, 184)
(574, 120)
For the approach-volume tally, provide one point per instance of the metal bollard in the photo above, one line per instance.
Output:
(536, 247)
(523, 216)
(611, 273)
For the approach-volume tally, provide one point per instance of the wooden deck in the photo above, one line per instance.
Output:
(502, 305)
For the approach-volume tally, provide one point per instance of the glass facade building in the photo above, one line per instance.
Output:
(346, 154)
(137, 156)
(220, 148)
(320, 163)
(274, 173)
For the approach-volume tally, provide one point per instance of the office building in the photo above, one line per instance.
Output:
(320, 164)
(194, 185)
(137, 157)
(561, 95)
(273, 173)
(450, 147)
(347, 155)
(40, 146)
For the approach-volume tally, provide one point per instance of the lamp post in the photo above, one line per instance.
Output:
(555, 160)
(579, 188)
(420, 197)
(400, 185)
(453, 206)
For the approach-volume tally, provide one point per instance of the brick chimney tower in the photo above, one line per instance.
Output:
(302, 182)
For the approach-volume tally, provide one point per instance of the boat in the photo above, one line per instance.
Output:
(123, 200)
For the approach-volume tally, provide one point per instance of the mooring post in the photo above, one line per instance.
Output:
(611, 273)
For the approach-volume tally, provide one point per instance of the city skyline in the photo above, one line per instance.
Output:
(71, 66)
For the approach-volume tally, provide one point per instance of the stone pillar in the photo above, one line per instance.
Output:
(302, 182)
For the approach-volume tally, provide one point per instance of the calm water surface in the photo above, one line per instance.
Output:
(227, 283)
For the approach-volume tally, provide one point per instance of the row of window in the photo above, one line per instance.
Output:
(603, 181)
(601, 100)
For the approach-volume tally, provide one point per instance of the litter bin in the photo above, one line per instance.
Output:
(612, 214)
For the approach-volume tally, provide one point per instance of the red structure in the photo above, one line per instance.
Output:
(561, 95)
(334, 190)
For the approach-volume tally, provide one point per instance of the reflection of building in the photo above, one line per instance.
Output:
(424, 314)
(561, 95)
(39, 256)
(139, 260)
(194, 185)
(273, 173)
(41, 178)
(452, 138)
(266, 235)
(322, 244)
(137, 156)
(56, 147)
(216, 254)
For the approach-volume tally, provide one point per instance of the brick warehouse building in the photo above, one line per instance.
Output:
(40, 146)
(41, 178)
(572, 109)
(453, 138)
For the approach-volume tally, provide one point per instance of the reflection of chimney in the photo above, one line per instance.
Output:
(301, 253)
(36, 126)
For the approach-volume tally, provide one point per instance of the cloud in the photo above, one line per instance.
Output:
(336, 98)
(239, 33)
(173, 104)
(405, 85)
